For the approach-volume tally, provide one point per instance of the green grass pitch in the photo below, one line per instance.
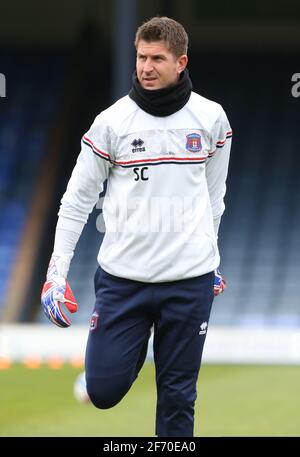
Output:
(235, 400)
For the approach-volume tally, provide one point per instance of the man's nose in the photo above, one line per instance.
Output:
(148, 66)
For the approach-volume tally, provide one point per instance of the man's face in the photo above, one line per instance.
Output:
(156, 66)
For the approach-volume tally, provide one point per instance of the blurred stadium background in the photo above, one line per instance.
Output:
(63, 63)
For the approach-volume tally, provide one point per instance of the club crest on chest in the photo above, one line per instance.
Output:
(193, 142)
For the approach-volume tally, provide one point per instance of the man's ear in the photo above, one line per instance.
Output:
(182, 63)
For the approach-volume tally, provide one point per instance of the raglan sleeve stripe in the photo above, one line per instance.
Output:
(220, 143)
(88, 142)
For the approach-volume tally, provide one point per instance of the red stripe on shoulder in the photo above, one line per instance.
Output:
(95, 149)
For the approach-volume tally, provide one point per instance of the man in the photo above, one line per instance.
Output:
(164, 151)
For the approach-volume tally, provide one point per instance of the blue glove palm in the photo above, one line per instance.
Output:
(219, 284)
(57, 291)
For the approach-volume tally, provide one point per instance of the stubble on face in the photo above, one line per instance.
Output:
(156, 65)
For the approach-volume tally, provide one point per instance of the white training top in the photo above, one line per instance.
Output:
(165, 189)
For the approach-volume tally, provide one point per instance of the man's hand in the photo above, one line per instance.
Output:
(219, 284)
(57, 291)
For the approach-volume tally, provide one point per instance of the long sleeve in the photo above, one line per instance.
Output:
(85, 185)
(88, 176)
(217, 167)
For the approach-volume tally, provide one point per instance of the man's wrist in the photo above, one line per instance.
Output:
(59, 265)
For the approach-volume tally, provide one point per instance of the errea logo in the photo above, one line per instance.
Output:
(137, 145)
(203, 328)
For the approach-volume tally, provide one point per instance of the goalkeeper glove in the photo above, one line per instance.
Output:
(219, 284)
(57, 291)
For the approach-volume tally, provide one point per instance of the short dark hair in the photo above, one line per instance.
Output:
(166, 29)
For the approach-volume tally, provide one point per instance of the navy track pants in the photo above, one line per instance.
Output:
(124, 313)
